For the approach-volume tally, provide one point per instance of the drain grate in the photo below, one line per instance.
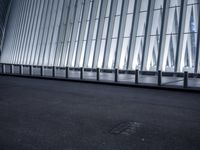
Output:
(126, 128)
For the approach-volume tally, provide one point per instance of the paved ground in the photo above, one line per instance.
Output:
(53, 115)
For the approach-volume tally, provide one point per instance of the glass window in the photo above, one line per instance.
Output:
(112, 54)
(119, 7)
(144, 5)
(159, 4)
(128, 25)
(131, 6)
(105, 28)
(123, 59)
(116, 27)
(108, 8)
(175, 3)
(102, 49)
(91, 54)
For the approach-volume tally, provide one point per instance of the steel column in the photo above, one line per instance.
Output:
(180, 43)
(83, 24)
(163, 32)
(109, 35)
(147, 34)
(75, 32)
(90, 31)
(99, 32)
(197, 63)
(135, 23)
(122, 25)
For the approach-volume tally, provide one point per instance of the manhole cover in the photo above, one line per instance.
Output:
(126, 128)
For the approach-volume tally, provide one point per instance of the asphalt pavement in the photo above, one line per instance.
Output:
(38, 114)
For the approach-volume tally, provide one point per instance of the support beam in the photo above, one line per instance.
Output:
(134, 29)
(47, 34)
(36, 35)
(62, 58)
(83, 25)
(5, 26)
(31, 32)
(180, 43)
(109, 35)
(22, 29)
(93, 15)
(53, 33)
(21, 7)
(163, 32)
(75, 32)
(26, 32)
(68, 5)
(99, 32)
(197, 63)
(122, 24)
(147, 37)
(40, 32)
(46, 25)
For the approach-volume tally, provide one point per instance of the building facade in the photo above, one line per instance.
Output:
(148, 35)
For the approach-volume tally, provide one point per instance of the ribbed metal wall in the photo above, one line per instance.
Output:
(127, 34)
(4, 10)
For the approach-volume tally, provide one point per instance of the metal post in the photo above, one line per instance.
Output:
(159, 78)
(31, 70)
(136, 76)
(11, 69)
(98, 74)
(54, 71)
(116, 75)
(67, 72)
(42, 71)
(185, 83)
(3, 68)
(82, 72)
(21, 69)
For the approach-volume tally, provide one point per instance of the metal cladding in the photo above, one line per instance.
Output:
(148, 35)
